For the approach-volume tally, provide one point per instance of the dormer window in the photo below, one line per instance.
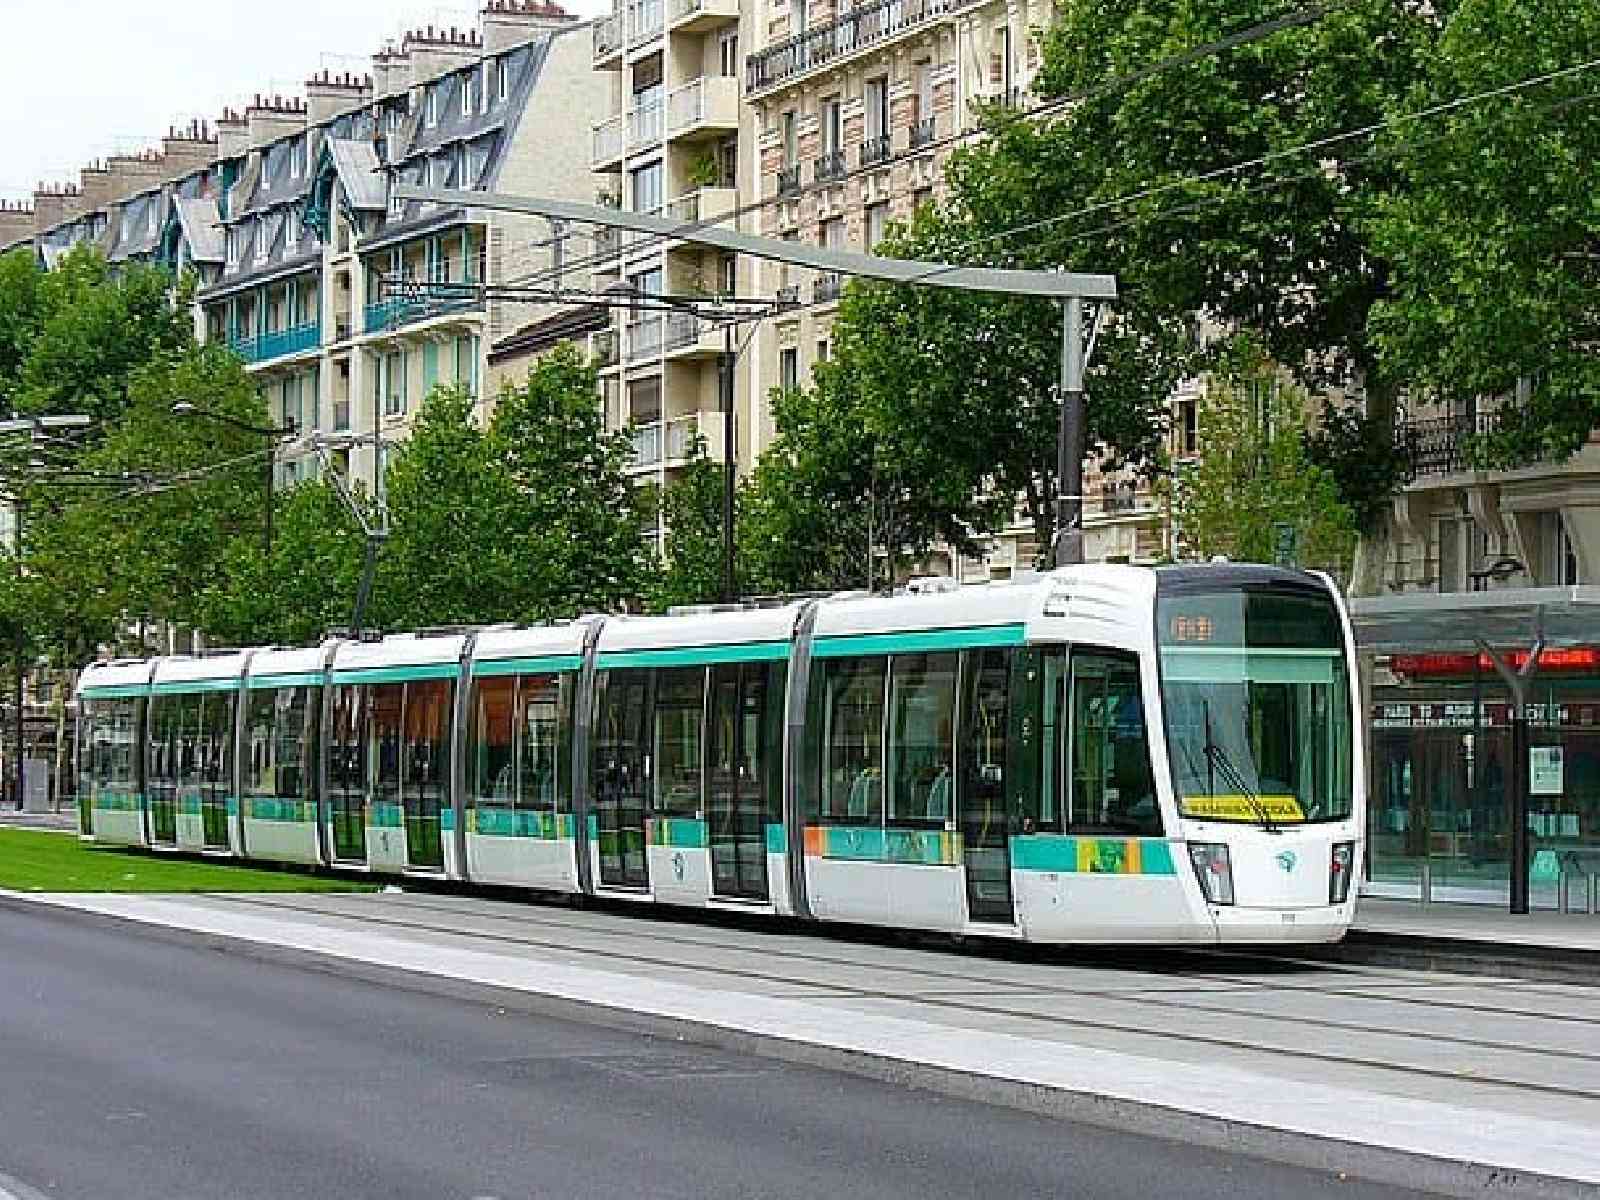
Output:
(433, 107)
(466, 95)
(503, 78)
(487, 85)
(263, 240)
(297, 158)
(233, 246)
(291, 229)
(153, 207)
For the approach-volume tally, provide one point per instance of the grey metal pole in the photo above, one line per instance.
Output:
(730, 591)
(1069, 443)
(272, 458)
(20, 648)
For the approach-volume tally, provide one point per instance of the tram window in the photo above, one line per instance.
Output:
(289, 741)
(346, 758)
(1112, 784)
(1053, 741)
(985, 694)
(853, 735)
(621, 750)
(426, 738)
(216, 739)
(539, 734)
(492, 752)
(260, 777)
(679, 728)
(922, 692)
(383, 705)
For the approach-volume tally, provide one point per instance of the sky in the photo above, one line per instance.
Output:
(110, 76)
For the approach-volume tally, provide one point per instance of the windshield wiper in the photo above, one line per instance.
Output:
(1217, 759)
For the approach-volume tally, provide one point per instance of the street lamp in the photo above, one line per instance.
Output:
(272, 433)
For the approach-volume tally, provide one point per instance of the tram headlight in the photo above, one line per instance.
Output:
(1341, 868)
(1215, 870)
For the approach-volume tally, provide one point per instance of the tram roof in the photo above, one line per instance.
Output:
(527, 642)
(180, 674)
(282, 663)
(737, 627)
(124, 675)
(399, 650)
(1505, 618)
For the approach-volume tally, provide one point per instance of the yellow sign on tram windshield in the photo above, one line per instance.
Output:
(1243, 808)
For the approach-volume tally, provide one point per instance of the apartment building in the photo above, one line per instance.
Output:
(667, 144)
(310, 267)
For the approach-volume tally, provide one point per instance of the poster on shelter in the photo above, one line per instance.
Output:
(1545, 774)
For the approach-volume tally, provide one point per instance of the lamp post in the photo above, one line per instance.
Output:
(272, 433)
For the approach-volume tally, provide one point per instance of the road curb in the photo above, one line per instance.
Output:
(1397, 1167)
(1464, 956)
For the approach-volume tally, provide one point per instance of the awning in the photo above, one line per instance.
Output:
(1511, 618)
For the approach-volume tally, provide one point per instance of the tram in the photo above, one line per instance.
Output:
(1100, 754)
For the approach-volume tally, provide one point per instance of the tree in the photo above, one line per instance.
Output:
(1133, 176)
(1494, 237)
(575, 540)
(1254, 473)
(691, 508)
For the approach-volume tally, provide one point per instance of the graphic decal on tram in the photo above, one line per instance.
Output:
(1101, 754)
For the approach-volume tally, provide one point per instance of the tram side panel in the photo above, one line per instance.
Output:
(111, 798)
(279, 771)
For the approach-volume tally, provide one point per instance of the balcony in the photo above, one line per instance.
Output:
(788, 296)
(922, 133)
(702, 204)
(603, 348)
(861, 28)
(696, 16)
(690, 337)
(875, 150)
(642, 339)
(789, 180)
(644, 22)
(830, 167)
(607, 40)
(827, 288)
(1445, 445)
(709, 104)
(391, 314)
(644, 126)
(1119, 499)
(668, 443)
(283, 342)
(607, 143)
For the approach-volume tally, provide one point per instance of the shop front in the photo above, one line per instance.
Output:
(1479, 710)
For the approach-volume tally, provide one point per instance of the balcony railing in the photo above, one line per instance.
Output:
(1445, 445)
(608, 140)
(787, 295)
(856, 30)
(830, 167)
(686, 105)
(607, 37)
(789, 180)
(1117, 498)
(283, 341)
(683, 329)
(604, 345)
(827, 287)
(922, 133)
(875, 150)
(644, 125)
(644, 21)
(642, 339)
(668, 441)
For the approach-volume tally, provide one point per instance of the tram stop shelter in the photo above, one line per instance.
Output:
(1484, 745)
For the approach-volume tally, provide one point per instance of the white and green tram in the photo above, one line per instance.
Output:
(1102, 754)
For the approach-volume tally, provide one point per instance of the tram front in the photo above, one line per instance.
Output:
(1262, 719)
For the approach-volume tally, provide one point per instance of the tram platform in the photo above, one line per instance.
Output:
(1463, 1084)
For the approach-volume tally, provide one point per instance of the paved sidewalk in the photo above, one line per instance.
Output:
(1480, 1083)
(1480, 923)
(65, 821)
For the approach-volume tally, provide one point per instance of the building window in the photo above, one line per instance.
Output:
(791, 140)
(920, 197)
(645, 186)
(877, 107)
(877, 223)
(394, 383)
(833, 233)
(502, 79)
(832, 126)
(644, 400)
(233, 246)
(728, 52)
(291, 228)
(432, 110)
(730, 275)
(822, 350)
(467, 365)
(466, 95)
(789, 369)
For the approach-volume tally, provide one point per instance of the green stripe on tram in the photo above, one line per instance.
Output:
(539, 664)
(690, 656)
(287, 679)
(398, 674)
(181, 686)
(116, 691)
(912, 641)
(1092, 855)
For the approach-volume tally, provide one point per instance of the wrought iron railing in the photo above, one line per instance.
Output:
(922, 133)
(1119, 497)
(830, 167)
(875, 150)
(856, 30)
(827, 287)
(789, 180)
(1445, 445)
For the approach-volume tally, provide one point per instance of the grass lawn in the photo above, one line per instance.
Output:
(39, 861)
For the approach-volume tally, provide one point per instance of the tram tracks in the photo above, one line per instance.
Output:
(1190, 1034)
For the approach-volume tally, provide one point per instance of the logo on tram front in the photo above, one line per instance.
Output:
(1286, 860)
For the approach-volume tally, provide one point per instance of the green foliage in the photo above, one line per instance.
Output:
(1254, 472)
(1494, 234)
(691, 509)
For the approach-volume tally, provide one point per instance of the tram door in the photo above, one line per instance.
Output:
(738, 760)
(347, 782)
(985, 825)
(622, 783)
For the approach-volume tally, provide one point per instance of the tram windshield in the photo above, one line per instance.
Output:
(1257, 702)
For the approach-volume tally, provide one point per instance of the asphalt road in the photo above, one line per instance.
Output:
(134, 1068)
